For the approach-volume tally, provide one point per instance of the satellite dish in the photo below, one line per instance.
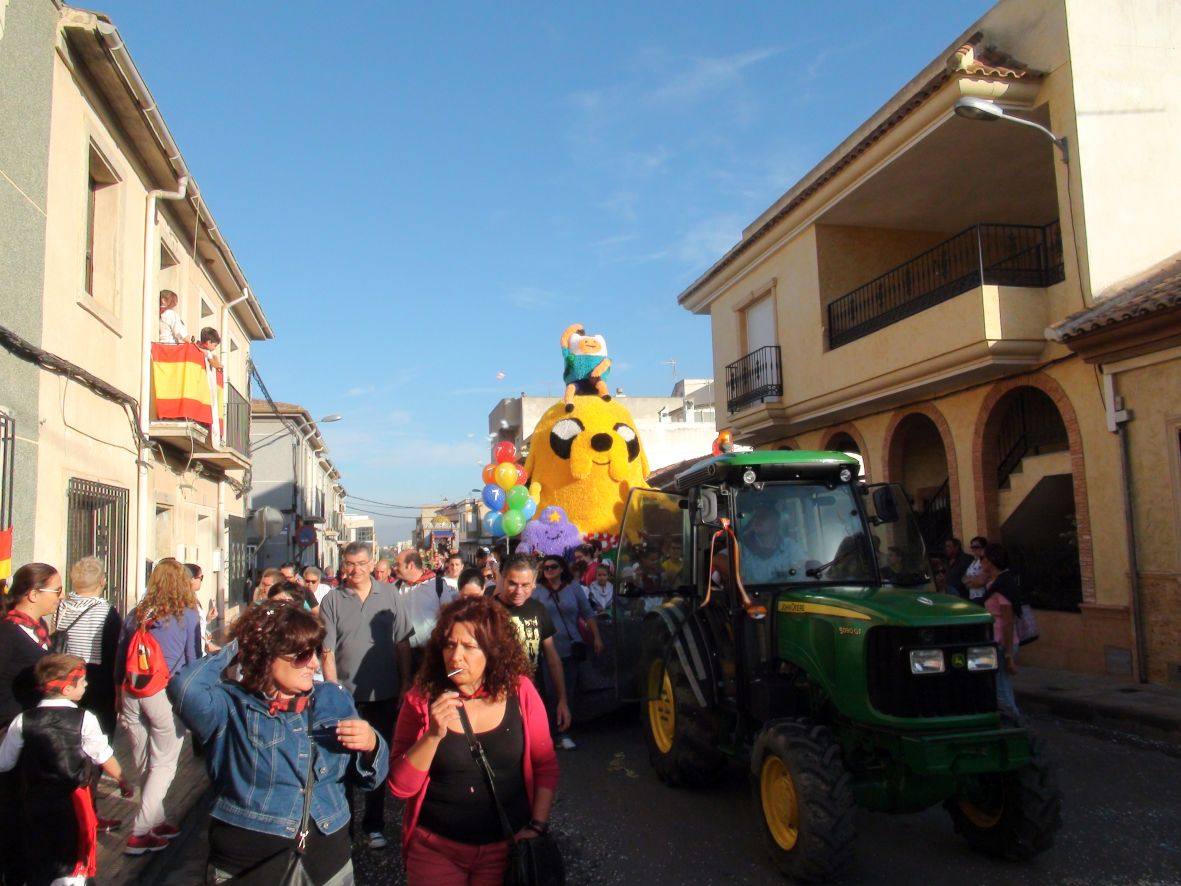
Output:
(268, 522)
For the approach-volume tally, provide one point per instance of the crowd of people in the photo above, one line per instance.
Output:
(324, 695)
(295, 709)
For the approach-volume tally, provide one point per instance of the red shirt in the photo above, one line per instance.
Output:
(540, 763)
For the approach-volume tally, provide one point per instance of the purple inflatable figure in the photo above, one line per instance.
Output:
(550, 533)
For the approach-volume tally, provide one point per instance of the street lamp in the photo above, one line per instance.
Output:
(971, 108)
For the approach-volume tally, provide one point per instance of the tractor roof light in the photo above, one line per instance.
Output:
(846, 475)
(749, 476)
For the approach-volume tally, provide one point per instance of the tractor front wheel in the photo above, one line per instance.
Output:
(1010, 815)
(803, 793)
(682, 736)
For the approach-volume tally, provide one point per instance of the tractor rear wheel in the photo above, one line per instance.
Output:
(1010, 815)
(805, 799)
(682, 736)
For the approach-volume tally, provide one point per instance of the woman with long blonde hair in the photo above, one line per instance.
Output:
(169, 615)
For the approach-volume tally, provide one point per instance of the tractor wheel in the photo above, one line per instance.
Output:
(1010, 815)
(682, 736)
(805, 799)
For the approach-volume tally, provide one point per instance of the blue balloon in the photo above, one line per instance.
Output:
(488, 521)
(529, 510)
(497, 527)
(494, 496)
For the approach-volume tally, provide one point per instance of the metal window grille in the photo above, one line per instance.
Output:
(97, 526)
(237, 563)
(7, 460)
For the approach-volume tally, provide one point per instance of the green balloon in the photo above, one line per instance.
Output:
(517, 496)
(513, 522)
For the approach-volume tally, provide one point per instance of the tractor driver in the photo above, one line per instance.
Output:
(769, 555)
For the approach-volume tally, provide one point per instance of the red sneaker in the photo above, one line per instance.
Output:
(165, 831)
(106, 825)
(138, 844)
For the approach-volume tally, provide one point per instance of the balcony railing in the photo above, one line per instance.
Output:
(237, 421)
(1003, 255)
(754, 378)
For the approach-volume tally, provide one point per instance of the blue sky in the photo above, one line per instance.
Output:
(423, 196)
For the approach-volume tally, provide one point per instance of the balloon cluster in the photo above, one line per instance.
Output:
(509, 503)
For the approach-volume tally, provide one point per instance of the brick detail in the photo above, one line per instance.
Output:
(893, 450)
(985, 460)
(850, 429)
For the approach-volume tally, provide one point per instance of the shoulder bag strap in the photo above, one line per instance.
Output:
(309, 783)
(489, 779)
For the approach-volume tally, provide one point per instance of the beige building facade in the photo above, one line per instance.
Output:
(896, 301)
(124, 221)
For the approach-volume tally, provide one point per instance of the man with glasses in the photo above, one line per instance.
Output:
(974, 578)
(367, 650)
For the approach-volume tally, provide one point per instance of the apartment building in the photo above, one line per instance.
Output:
(358, 527)
(466, 521)
(27, 34)
(898, 300)
(293, 474)
(141, 449)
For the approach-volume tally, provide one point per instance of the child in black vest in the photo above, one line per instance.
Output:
(53, 747)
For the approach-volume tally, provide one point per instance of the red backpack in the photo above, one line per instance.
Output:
(147, 671)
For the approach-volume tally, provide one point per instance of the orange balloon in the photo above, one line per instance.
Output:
(506, 475)
(489, 474)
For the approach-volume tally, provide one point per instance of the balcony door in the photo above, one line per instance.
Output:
(758, 321)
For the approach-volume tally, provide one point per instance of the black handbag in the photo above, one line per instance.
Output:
(286, 868)
(535, 862)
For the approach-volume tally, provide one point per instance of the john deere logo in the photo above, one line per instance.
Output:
(959, 660)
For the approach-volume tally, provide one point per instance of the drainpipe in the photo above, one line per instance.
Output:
(1117, 420)
(151, 312)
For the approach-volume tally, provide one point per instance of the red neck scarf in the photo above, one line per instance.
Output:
(37, 625)
(294, 705)
(481, 692)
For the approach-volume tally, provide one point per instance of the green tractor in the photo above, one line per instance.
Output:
(773, 607)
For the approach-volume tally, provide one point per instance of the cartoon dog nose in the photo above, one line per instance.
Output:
(601, 442)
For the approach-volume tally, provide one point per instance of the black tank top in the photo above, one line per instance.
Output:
(52, 757)
(457, 803)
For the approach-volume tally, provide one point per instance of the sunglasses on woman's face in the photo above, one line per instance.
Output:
(303, 659)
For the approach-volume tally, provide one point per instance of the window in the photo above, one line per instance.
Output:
(102, 223)
(759, 324)
(97, 526)
(206, 311)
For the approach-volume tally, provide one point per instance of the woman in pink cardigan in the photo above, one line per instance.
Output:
(451, 833)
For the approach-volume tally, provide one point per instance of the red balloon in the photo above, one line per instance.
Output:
(504, 451)
(522, 476)
(489, 474)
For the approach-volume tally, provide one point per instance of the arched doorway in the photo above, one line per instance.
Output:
(848, 440)
(1033, 490)
(917, 460)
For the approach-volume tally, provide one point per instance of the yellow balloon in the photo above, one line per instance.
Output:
(506, 475)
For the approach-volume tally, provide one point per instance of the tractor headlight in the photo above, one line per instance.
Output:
(926, 661)
(982, 658)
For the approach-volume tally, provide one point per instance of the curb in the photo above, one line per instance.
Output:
(1144, 721)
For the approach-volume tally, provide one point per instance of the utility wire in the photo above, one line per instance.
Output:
(384, 504)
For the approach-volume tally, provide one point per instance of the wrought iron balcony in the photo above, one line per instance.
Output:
(1003, 255)
(754, 378)
(237, 421)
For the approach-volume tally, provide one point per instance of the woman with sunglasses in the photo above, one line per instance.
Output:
(571, 613)
(259, 731)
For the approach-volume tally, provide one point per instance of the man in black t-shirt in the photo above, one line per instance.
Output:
(536, 628)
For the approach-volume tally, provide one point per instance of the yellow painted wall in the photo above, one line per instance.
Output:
(850, 257)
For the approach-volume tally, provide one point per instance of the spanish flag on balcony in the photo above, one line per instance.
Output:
(181, 386)
(5, 553)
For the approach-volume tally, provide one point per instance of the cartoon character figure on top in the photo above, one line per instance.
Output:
(551, 534)
(585, 364)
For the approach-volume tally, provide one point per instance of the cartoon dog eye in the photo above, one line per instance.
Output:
(561, 438)
(629, 437)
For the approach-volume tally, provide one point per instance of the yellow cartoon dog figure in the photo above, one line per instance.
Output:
(586, 460)
(585, 365)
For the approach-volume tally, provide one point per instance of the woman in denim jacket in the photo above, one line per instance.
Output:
(255, 731)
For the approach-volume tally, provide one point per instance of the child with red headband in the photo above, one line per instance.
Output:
(53, 747)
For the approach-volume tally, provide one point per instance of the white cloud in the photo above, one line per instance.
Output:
(708, 240)
(360, 391)
(707, 76)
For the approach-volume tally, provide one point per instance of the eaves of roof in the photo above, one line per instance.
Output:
(972, 58)
(1155, 291)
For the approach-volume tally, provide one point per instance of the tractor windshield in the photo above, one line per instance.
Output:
(793, 532)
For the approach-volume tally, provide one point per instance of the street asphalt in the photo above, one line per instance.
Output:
(618, 824)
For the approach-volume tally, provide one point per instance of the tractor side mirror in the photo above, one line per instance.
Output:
(884, 505)
(707, 506)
